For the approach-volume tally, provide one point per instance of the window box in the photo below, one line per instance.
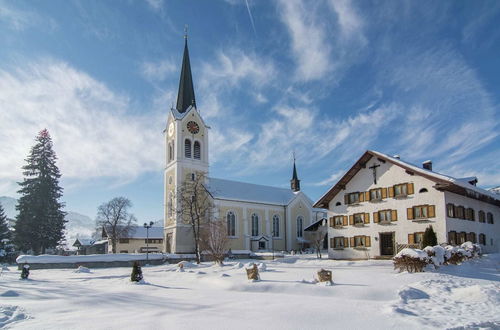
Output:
(421, 220)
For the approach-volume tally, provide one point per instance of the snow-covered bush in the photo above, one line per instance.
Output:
(411, 260)
(436, 254)
(455, 255)
(473, 249)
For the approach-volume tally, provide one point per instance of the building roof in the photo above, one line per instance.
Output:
(314, 226)
(84, 241)
(443, 182)
(249, 192)
(185, 96)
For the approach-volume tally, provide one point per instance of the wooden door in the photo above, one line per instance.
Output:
(386, 244)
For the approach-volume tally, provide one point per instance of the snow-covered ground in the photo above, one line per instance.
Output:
(366, 294)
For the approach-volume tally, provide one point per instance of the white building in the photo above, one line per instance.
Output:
(258, 217)
(383, 204)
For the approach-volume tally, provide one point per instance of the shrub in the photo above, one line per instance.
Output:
(455, 255)
(25, 273)
(411, 260)
(430, 238)
(136, 275)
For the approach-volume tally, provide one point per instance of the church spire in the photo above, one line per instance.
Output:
(185, 98)
(295, 182)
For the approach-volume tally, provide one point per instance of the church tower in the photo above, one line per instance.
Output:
(186, 140)
(295, 182)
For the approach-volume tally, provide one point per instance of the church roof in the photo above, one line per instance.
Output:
(249, 192)
(185, 96)
(443, 182)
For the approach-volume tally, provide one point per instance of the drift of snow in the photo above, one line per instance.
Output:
(366, 294)
(87, 258)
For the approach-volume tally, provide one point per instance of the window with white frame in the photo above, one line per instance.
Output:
(359, 218)
(255, 225)
(300, 223)
(231, 224)
(359, 241)
(338, 242)
(197, 150)
(276, 225)
(338, 220)
(450, 210)
(376, 194)
(400, 190)
(420, 212)
(384, 215)
(353, 198)
(187, 148)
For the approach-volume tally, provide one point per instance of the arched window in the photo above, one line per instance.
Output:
(276, 225)
(338, 204)
(197, 150)
(231, 224)
(423, 190)
(187, 148)
(255, 225)
(170, 151)
(300, 223)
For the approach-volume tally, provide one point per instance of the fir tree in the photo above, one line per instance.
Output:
(40, 221)
(429, 238)
(4, 229)
(136, 275)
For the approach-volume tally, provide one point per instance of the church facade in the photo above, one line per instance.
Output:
(258, 217)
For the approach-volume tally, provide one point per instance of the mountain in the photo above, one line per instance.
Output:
(78, 225)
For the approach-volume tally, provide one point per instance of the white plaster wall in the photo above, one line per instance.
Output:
(387, 175)
(492, 231)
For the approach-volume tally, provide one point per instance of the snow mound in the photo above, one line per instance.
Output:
(262, 267)
(410, 293)
(238, 265)
(11, 314)
(186, 264)
(413, 253)
(82, 269)
(224, 275)
(9, 293)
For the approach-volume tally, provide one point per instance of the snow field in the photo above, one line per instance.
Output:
(206, 296)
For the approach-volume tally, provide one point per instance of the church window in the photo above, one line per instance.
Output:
(197, 150)
(490, 217)
(231, 224)
(171, 151)
(255, 225)
(481, 216)
(276, 226)
(300, 223)
(187, 148)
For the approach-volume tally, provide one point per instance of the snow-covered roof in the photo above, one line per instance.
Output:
(140, 232)
(84, 241)
(249, 192)
(462, 186)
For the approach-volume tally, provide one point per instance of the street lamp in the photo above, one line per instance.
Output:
(147, 239)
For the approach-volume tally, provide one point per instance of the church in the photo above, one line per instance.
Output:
(258, 217)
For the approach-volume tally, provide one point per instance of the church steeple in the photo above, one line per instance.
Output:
(295, 182)
(185, 97)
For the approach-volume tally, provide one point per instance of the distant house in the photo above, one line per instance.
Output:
(137, 240)
(82, 245)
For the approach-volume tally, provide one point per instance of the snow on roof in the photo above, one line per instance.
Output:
(84, 241)
(459, 182)
(140, 232)
(249, 192)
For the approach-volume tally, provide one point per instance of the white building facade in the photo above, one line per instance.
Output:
(383, 204)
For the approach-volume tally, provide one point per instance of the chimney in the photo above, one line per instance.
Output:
(427, 165)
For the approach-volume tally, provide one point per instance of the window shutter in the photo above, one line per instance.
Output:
(394, 215)
(332, 243)
(375, 217)
(368, 241)
(351, 219)
(332, 223)
(384, 192)
(367, 196)
(409, 188)
(411, 238)
(344, 220)
(352, 241)
(391, 191)
(361, 196)
(346, 242)
(367, 218)
(409, 213)
(432, 211)
(346, 199)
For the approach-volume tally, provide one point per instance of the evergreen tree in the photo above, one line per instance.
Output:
(429, 238)
(40, 221)
(136, 275)
(4, 229)
(6, 248)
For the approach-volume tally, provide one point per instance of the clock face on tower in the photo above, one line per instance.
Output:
(193, 127)
(171, 129)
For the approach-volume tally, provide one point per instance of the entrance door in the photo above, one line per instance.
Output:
(387, 244)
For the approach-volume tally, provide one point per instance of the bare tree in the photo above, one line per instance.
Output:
(114, 218)
(316, 238)
(215, 240)
(195, 207)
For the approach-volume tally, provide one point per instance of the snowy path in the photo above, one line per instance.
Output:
(365, 294)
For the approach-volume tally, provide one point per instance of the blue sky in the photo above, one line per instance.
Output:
(326, 79)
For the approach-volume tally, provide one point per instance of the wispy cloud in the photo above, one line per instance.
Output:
(93, 131)
(158, 71)
(155, 4)
(20, 19)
